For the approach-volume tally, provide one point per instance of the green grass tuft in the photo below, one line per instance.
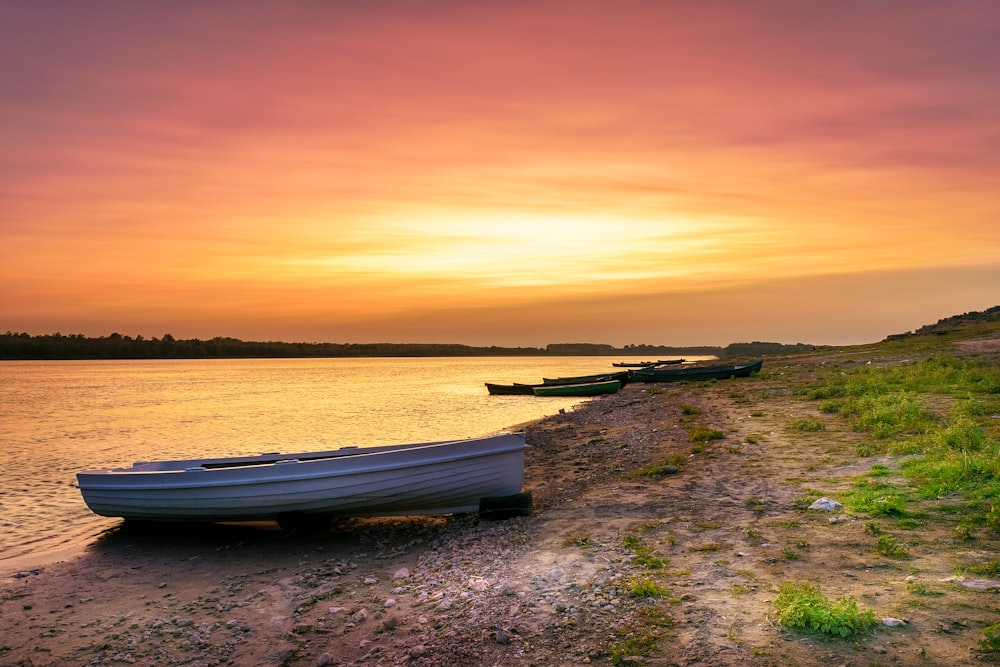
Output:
(647, 588)
(802, 606)
(807, 425)
(702, 434)
(644, 555)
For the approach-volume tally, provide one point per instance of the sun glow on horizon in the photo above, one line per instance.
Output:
(519, 250)
(336, 169)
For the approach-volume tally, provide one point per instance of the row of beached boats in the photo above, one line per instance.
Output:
(312, 488)
(608, 383)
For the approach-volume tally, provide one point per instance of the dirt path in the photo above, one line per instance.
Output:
(728, 527)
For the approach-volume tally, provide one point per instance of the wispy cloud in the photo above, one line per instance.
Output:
(233, 160)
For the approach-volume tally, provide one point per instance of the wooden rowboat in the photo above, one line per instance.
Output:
(695, 373)
(585, 389)
(645, 364)
(621, 376)
(518, 389)
(511, 389)
(394, 480)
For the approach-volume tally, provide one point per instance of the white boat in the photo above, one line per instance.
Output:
(395, 480)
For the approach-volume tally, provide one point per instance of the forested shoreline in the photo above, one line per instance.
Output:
(55, 346)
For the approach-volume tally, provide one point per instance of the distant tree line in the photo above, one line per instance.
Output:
(15, 345)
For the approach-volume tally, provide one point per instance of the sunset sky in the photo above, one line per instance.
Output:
(499, 173)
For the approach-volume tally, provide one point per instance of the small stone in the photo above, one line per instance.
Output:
(890, 622)
(417, 651)
(370, 581)
(390, 603)
(401, 573)
(337, 610)
(324, 660)
(827, 504)
(360, 616)
(503, 637)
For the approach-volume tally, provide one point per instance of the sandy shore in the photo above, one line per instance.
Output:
(550, 589)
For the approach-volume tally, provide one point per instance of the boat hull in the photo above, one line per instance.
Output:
(621, 376)
(695, 373)
(510, 389)
(396, 480)
(647, 364)
(588, 389)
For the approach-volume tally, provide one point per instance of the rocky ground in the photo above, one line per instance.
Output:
(711, 538)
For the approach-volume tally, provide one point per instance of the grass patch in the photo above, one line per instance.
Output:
(740, 589)
(644, 555)
(688, 412)
(647, 588)
(668, 466)
(941, 410)
(706, 525)
(989, 569)
(703, 434)
(756, 505)
(807, 424)
(917, 588)
(889, 546)
(639, 642)
(991, 639)
(633, 647)
(878, 498)
(581, 541)
(802, 606)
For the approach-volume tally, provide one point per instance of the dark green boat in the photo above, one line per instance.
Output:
(621, 376)
(585, 389)
(695, 373)
(511, 389)
(646, 364)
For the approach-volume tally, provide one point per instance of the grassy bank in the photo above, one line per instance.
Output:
(905, 434)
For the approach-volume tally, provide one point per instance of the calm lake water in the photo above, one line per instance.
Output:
(60, 417)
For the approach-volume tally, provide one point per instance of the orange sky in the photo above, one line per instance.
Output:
(498, 173)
